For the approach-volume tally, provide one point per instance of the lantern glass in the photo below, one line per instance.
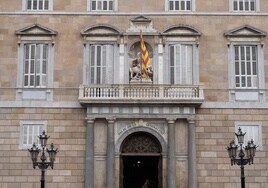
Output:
(232, 150)
(250, 149)
(34, 151)
(52, 152)
(43, 139)
(240, 136)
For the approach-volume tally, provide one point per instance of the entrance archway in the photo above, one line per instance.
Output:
(141, 161)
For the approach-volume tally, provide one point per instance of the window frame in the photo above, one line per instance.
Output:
(42, 125)
(167, 5)
(248, 75)
(232, 8)
(103, 66)
(101, 35)
(244, 93)
(35, 93)
(114, 5)
(248, 136)
(246, 35)
(188, 81)
(35, 34)
(32, 62)
(25, 5)
(183, 35)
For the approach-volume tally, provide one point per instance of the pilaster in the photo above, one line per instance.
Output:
(192, 179)
(110, 161)
(89, 175)
(171, 167)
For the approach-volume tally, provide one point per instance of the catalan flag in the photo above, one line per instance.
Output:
(145, 58)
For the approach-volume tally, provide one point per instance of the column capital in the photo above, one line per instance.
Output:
(90, 120)
(191, 120)
(110, 120)
(171, 120)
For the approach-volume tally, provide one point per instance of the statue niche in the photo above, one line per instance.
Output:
(137, 72)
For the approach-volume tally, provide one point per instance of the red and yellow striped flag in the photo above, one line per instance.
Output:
(145, 58)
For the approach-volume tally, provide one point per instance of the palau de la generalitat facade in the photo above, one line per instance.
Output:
(134, 94)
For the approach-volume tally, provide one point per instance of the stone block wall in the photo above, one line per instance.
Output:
(214, 131)
(66, 128)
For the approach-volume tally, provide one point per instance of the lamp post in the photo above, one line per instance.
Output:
(241, 161)
(43, 165)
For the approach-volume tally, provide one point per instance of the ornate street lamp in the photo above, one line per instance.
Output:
(43, 165)
(241, 161)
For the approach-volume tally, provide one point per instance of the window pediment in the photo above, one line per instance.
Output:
(36, 29)
(181, 33)
(36, 32)
(140, 19)
(100, 30)
(101, 33)
(181, 30)
(245, 31)
(141, 23)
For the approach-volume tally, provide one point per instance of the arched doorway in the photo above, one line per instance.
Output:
(141, 162)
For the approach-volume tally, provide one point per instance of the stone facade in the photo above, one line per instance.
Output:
(192, 132)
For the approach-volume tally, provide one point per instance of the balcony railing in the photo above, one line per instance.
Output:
(143, 93)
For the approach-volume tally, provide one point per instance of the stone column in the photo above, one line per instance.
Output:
(110, 163)
(89, 175)
(192, 181)
(121, 70)
(160, 63)
(171, 166)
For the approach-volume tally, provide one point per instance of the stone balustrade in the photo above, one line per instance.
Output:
(147, 93)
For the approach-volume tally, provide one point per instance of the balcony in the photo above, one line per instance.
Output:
(149, 94)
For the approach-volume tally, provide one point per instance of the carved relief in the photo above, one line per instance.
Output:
(121, 128)
(141, 23)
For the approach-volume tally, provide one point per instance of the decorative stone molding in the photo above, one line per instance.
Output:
(141, 143)
(125, 128)
(99, 33)
(36, 32)
(161, 129)
(245, 33)
(141, 24)
(180, 33)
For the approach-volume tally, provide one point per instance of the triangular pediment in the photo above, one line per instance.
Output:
(245, 31)
(100, 30)
(181, 30)
(141, 19)
(141, 24)
(36, 29)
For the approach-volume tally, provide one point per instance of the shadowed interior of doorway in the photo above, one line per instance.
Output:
(141, 161)
(140, 171)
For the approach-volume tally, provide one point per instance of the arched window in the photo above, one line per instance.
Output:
(141, 142)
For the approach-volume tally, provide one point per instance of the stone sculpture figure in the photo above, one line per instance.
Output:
(136, 72)
(135, 68)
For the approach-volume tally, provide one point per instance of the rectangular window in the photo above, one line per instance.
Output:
(102, 5)
(244, 5)
(181, 63)
(35, 65)
(245, 66)
(180, 5)
(37, 4)
(253, 132)
(101, 57)
(29, 132)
